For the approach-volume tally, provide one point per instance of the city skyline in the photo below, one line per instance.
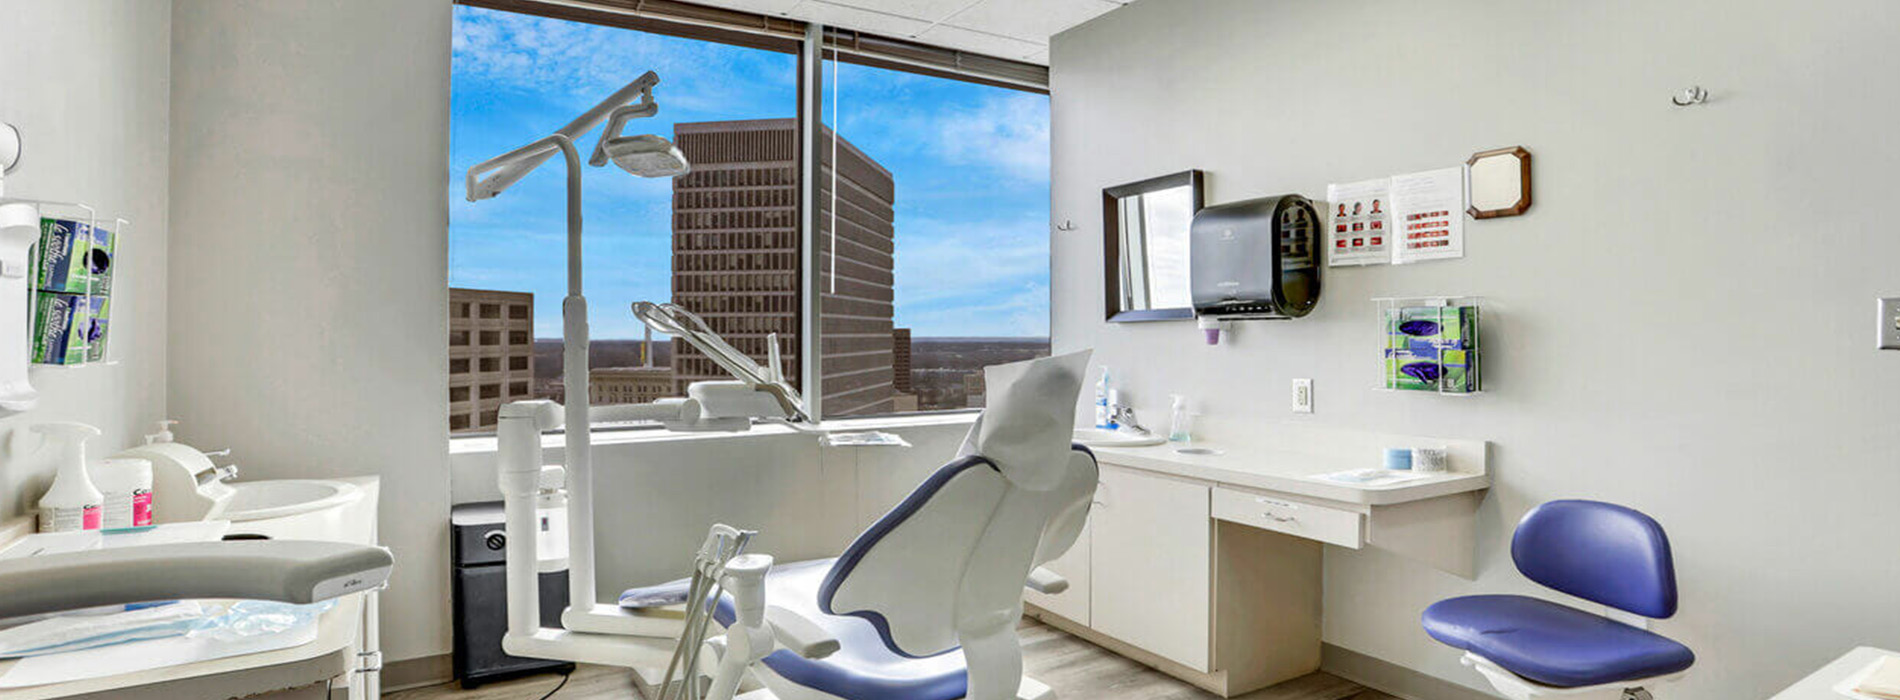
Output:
(963, 270)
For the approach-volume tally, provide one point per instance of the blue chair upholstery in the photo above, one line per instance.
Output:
(1556, 645)
(1601, 552)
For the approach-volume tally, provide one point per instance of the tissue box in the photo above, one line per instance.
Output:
(64, 325)
(1432, 348)
(73, 257)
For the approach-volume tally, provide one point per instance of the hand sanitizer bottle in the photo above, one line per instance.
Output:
(1103, 421)
(1180, 423)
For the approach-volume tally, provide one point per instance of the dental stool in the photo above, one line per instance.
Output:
(1533, 648)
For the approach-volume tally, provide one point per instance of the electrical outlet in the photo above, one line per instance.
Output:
(1889, 323)
(1302, 396)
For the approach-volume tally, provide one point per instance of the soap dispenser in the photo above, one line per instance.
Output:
(73, 503)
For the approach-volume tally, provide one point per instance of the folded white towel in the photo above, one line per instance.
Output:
(1884, 682)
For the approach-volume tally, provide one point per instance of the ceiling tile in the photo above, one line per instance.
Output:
(764, 7)
(846, 17)
(954, 37)
(926, 10)
(1034, 21)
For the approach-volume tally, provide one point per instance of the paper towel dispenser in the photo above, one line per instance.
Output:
(1257, 258)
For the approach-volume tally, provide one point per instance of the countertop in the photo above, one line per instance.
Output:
(1290, 461)
(1820, 684)
(330, 655)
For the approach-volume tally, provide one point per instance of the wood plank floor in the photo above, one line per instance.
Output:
(1076, 669)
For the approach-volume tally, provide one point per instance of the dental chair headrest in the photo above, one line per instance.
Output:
(1027, 426)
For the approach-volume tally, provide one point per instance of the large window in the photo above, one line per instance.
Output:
(941, 265)
(933, 238)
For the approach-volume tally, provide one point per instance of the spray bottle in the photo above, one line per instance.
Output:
(1103, 420)
(73, 503)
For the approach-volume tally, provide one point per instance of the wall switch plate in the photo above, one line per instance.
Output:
(1889, 323)
(1302, 396)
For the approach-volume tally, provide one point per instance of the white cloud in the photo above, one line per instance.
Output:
(1009, 133)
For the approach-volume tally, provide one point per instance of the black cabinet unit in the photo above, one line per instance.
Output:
(481, 599)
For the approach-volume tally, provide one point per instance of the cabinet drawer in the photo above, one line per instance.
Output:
(1329, 525)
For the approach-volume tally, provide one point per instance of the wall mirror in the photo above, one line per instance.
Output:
(1500, 182)
(1145, 246)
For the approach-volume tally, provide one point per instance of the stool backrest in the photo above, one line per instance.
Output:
(1601, 552)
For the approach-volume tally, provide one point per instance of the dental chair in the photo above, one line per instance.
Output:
(1531, 648)
(924, 604)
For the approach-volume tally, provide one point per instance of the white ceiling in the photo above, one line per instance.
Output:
(1014, 29)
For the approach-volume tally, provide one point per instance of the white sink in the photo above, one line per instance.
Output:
(1096, 437)
(260, 500)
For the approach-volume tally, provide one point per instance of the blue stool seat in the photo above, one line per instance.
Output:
(864, 669)
(1553, 644)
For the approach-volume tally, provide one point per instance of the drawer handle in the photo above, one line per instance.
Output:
(1280, 518)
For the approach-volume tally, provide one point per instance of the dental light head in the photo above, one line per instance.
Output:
(645, 155)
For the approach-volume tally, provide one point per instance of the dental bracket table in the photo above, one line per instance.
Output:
(1207, 564)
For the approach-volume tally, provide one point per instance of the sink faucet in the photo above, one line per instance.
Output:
(1125, 417)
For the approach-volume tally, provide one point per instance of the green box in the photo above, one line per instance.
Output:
(69, 329)
(73, 257)
(1432, 348)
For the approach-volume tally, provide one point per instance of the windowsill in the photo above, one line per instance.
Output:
(486, 444)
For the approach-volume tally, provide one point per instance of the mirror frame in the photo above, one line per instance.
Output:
(1523, 175)
(1112, 244)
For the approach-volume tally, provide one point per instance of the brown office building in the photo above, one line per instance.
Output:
(735, 257)
(491, 355)
(622, 385)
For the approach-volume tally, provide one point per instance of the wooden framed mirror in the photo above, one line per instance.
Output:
(1145, 247)
(1500, 182)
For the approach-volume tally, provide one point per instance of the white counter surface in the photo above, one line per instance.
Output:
(1290, 460)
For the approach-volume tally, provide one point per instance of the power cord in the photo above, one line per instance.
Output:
(559, 686)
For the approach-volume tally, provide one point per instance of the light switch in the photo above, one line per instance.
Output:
(1302, 396)
(1889, 323)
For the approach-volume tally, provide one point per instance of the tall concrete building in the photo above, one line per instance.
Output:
(736, 257)
(491, 355)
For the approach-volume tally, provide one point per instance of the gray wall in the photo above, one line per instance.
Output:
(310, 143)
(86, 82)
(1681, 323)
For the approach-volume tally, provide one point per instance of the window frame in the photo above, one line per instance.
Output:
(813, 44)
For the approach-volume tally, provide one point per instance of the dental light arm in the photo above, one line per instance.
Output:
(512, 166)
(280, 570)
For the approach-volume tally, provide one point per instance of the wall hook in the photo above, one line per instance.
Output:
(1692, 95)
(1066, 225)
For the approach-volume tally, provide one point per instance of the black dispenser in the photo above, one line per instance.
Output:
(1257, 258)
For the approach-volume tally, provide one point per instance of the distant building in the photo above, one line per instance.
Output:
(620, 385)
(491, 355)
(900, 360)
(973, 393)
(736, 257)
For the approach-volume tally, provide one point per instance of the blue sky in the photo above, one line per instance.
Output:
(971, 164)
